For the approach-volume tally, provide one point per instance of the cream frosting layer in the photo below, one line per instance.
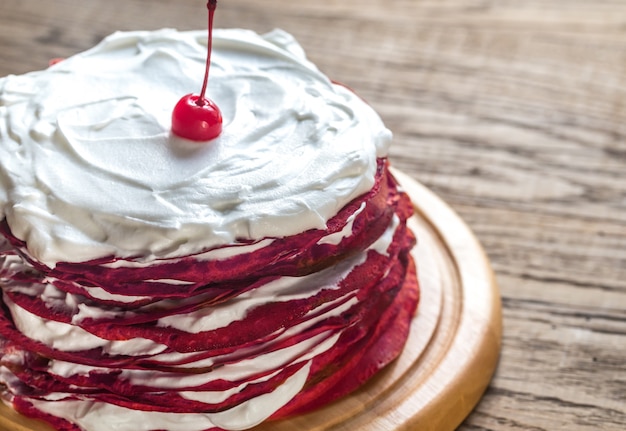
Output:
(89, 168)
(98, 416)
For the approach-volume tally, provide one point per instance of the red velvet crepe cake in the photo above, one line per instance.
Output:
(151, 283)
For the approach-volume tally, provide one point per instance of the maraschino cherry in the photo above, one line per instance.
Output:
(195, 117)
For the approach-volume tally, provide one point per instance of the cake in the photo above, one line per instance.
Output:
(152, 283)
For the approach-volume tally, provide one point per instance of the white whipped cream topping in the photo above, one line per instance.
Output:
(88, 167)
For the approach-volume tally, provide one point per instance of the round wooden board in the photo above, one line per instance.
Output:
(450, 355)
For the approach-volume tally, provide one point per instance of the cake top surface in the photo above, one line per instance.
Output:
(90, 169)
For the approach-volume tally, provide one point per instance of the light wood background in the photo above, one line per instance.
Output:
(512, 111)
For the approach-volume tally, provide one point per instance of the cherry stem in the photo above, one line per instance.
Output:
(211, 5)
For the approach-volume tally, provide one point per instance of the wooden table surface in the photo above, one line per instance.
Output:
(512, 111)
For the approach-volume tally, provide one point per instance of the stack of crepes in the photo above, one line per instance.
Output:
(150, 283)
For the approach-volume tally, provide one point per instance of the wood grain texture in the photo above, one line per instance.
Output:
(513, 111)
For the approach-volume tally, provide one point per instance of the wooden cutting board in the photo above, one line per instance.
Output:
(450, 355)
